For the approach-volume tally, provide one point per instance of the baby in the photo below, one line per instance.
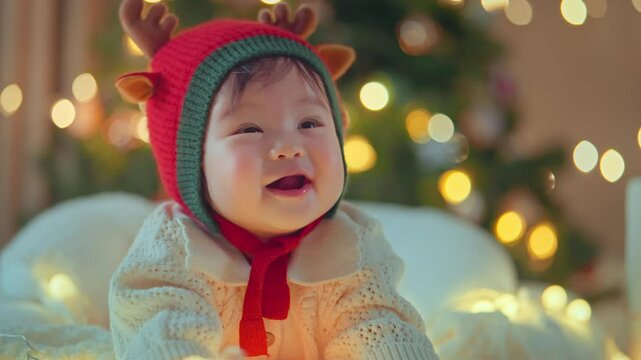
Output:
(255, 252)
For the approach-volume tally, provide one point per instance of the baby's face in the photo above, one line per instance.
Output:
(273, 162)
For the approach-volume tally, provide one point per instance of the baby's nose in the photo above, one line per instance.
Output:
(286, 151)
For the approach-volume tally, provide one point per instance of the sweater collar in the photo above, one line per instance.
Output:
(330, 252)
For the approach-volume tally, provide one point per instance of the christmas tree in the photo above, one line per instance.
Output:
(431, 115)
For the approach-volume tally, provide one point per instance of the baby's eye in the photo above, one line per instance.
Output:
(310, 124)
(249, 130)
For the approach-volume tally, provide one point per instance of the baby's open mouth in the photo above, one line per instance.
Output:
(293, 182)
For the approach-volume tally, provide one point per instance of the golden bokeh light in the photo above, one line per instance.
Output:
(510, 227)
(270, 2)
(84, 87)
(585, 156)
(142, 131)
(612, 165)
(360, 156)
(574, 11)
(61, 287)
(10, 99)
(440, 128)
(63, 113)
(152, 1)
(132, 47)
(519, 12)
(579, 309)
(416, 123)
(483, 306)
(493, 5)
(508, 304)
(542, 242)
(374, 96)
(554, 298)
(455, 186)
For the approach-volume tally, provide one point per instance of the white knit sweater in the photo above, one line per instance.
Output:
(179, 292)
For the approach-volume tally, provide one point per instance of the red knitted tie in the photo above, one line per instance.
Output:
(267, 290)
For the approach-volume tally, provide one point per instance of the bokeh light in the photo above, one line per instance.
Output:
(542, 242)
(61, 287)
(63, 113)
(574, 11)
(612, 165)
(142, 131)
(554, 298)
(579, 309)
(84, 87)
(639, 137)
(493, 5)
(637, 5)
(270, 2)
(417, 35)
(416, 123)
(550, 181)
(10, 99)
(374, 96)
(510, 227)
(440, 128)
(519, 12)
(483, 306)
(152, 1)
(360, 156)
(455, 186)
(132, 47)
(585, 156)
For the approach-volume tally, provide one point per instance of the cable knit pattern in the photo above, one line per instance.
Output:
(180, 293)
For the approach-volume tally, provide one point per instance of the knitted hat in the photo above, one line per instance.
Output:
(187, 71)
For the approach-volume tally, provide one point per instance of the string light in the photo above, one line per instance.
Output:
(416, 123)
(519, 12)
(374, 96)
(612, 165)
(574, 11)
(579, 309)
(585, 156)
(510, 227)
(455, 186)
(10, 99)
(493, 5)
(132, 47)
(63, 113)
(542, 243)
(440, 128)
(554, 298)
(360, 156)
(84, 87)
(61, 287)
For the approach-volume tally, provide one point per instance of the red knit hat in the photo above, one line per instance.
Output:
(187, 71)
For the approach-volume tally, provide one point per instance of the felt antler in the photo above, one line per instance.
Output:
(151, 32)
(304, 22)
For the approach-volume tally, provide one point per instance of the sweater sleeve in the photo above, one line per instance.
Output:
(158, 308)
(366, 318)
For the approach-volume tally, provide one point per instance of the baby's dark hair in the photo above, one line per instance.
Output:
(267, 69)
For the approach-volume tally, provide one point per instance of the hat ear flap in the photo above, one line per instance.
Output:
(136, 87)
(337, 58)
